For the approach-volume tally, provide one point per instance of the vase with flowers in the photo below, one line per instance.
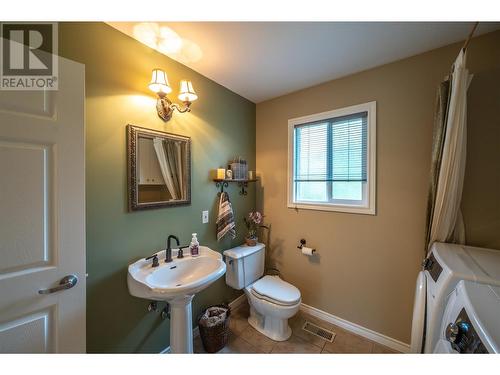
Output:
(252, 221)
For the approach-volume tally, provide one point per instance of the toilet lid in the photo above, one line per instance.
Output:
(277, 290)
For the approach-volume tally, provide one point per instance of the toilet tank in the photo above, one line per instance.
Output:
(244, 265)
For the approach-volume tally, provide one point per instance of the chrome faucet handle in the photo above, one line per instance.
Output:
(155, 260)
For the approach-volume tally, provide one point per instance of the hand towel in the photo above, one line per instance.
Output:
(225, 218)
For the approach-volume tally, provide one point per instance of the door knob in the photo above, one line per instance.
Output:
(67, 282)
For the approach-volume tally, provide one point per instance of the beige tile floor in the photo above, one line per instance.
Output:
(244, 339)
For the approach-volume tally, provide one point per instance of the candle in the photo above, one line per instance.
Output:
(221, 173)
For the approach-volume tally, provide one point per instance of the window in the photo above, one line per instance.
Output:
(332, 160)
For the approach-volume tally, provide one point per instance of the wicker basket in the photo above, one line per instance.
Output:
(216, 337)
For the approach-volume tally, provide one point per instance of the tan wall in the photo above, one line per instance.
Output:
(366, 266)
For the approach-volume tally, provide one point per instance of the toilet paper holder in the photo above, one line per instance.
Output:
(302, 244)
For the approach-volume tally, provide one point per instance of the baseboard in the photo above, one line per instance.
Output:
(356, 328)
(330, 318)
(237, 301)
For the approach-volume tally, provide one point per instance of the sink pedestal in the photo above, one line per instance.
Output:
(176, 283)
(181, 325)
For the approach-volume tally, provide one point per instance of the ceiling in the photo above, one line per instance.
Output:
(263, 60)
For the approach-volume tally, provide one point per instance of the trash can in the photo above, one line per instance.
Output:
(213, 324)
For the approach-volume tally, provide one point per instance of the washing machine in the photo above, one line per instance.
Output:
(471, 320)
(445, 266)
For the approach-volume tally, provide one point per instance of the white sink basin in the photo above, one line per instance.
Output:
(181, 277)
(176, 282)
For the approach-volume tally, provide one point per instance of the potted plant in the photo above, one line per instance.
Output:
(252, 221)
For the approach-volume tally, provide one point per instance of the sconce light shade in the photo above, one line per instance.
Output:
(164, 106)
(159, 82)
(186, 92)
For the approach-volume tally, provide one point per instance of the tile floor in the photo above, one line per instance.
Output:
(244, 339)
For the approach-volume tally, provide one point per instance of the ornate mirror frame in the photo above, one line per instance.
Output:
(133, 134)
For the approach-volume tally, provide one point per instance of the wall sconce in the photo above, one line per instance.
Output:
(160, 86)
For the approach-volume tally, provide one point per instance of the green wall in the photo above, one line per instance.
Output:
(221, 125)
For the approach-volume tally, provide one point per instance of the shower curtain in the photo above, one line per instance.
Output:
(169, 153)
(444, 217)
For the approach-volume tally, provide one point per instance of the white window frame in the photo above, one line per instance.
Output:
(367, 207)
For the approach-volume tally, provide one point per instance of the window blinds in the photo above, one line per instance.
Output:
(331, 150)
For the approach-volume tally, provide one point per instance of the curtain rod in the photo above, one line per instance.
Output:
(467, 41)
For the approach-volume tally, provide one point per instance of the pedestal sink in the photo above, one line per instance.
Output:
(176, 282)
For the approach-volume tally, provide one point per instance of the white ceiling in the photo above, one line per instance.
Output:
(260, 60)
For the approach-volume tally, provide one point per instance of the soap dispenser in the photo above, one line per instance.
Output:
(194, 247)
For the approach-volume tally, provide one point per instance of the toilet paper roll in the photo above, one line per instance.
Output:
(307, 251)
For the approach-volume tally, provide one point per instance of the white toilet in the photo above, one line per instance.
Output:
(272, 301)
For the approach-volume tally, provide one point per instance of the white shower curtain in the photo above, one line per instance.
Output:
(165, 167)
(180, 173)
(174, 158)
(447, 222)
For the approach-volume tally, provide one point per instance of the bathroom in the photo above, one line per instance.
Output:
(348, 271)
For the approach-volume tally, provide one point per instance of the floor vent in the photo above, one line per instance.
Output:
(318, 331)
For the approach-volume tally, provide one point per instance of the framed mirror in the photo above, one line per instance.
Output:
(159, 169)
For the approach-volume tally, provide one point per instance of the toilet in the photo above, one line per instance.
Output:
(272, 301)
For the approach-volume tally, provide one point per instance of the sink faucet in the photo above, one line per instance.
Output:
(168, 254)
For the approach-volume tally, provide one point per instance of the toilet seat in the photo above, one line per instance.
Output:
(275, 290)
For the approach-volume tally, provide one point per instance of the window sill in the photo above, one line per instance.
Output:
(334, 208)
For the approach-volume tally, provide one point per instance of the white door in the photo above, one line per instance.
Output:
(42, 216)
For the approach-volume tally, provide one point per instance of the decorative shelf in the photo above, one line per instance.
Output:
(242, 184)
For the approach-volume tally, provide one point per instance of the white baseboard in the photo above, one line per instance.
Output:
(237, 301)
(330, 318)
(356, 328)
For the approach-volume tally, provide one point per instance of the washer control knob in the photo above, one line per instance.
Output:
(459, 335)
(452, 332)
